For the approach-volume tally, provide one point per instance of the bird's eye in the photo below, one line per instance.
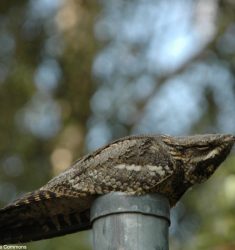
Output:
(203, 148)
(180, 147)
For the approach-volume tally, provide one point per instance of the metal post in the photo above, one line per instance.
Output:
(125, 222)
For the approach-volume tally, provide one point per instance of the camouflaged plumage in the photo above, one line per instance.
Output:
(136, 165)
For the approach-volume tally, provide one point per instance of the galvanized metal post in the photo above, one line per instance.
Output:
(125, 222)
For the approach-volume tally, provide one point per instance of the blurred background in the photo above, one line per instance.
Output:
(76, 74)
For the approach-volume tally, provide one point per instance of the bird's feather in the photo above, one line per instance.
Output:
(41, 215)
(135, 165)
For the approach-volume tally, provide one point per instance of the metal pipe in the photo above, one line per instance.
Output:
(125, 222)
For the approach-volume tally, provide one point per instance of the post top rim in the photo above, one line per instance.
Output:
(117, 202)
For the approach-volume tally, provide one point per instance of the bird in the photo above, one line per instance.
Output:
(136, 165)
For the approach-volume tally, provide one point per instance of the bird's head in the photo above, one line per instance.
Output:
(199, 155)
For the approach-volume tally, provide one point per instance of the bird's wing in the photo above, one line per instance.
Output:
(41, 215)
(134, 165)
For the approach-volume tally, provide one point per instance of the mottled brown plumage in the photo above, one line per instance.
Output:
(135, 165)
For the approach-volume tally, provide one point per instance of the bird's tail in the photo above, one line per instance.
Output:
(41, 215)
